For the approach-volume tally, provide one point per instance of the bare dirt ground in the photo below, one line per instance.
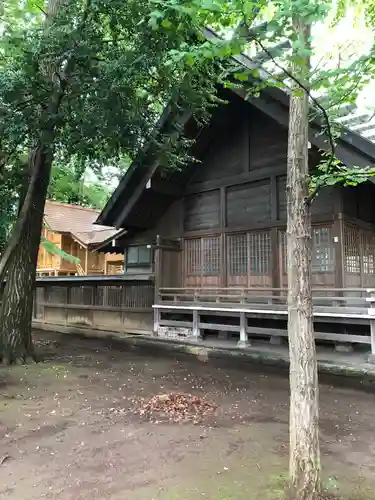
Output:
(68, 429)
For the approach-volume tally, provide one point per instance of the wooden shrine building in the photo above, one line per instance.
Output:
(71, 229)
(215, 230)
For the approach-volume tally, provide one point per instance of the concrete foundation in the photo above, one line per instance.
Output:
(343, 348)
(276, 340)
(223, 336)
(243, 344)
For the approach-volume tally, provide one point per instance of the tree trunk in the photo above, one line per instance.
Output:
(19, 261)
(304, 407)
(17, 298)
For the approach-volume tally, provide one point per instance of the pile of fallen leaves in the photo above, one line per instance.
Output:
(176, 408)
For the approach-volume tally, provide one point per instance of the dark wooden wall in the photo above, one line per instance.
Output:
(241, 181)
(359, 202)
(234, 204)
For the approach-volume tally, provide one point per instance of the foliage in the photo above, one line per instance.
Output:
(240, 21)
(70, 185)
(10, 189)
(111, 76)
(114, 72)
(55, 250)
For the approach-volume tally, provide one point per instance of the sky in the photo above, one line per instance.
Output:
(351, 38)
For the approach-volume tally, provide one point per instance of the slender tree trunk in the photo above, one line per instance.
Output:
(304, 407)
(17, 298)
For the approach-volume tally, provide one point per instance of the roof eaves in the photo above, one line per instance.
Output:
(79, 240)
(97, 246)
(125, 180)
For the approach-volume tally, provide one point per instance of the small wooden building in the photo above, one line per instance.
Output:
(71, 228)
(217, 227)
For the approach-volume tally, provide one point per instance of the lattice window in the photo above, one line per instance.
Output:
(193, 257)
(368, 264)
(368, 251)
(211, 256)
(260, 252)
(238, 254)
(352, 261)
(202, 256)
(322, 250)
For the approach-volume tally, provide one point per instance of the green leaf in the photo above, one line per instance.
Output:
(55, 250)
(242, 77)
(211, 6)
(166, 24)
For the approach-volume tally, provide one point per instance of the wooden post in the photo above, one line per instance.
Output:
(371, 311)
(196, 330)
(86, 261)
(156, 321)
(275, 262)
(360, 236)
(244, 341)
(223, 252)
(158, 270)
(338, 246)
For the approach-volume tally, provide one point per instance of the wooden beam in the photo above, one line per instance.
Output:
(233, 180)
(320, 218)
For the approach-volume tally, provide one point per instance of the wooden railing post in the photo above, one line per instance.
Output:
(156, 321)
(196, 329)
(371, 312)
(244, 341)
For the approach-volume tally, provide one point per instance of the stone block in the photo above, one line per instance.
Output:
(175, 333)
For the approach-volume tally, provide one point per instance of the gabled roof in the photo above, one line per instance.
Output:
(78, 222)
(352, 149)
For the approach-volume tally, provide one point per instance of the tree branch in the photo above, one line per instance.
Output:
(328, 131)
(305, 89)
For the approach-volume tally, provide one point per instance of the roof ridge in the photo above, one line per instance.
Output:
(77, 207)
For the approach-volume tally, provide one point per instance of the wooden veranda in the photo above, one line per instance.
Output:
(133, 305)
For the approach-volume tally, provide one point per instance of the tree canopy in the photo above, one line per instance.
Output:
(70, 184)
(86, 80)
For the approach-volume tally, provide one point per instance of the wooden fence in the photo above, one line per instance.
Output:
(110, 303)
